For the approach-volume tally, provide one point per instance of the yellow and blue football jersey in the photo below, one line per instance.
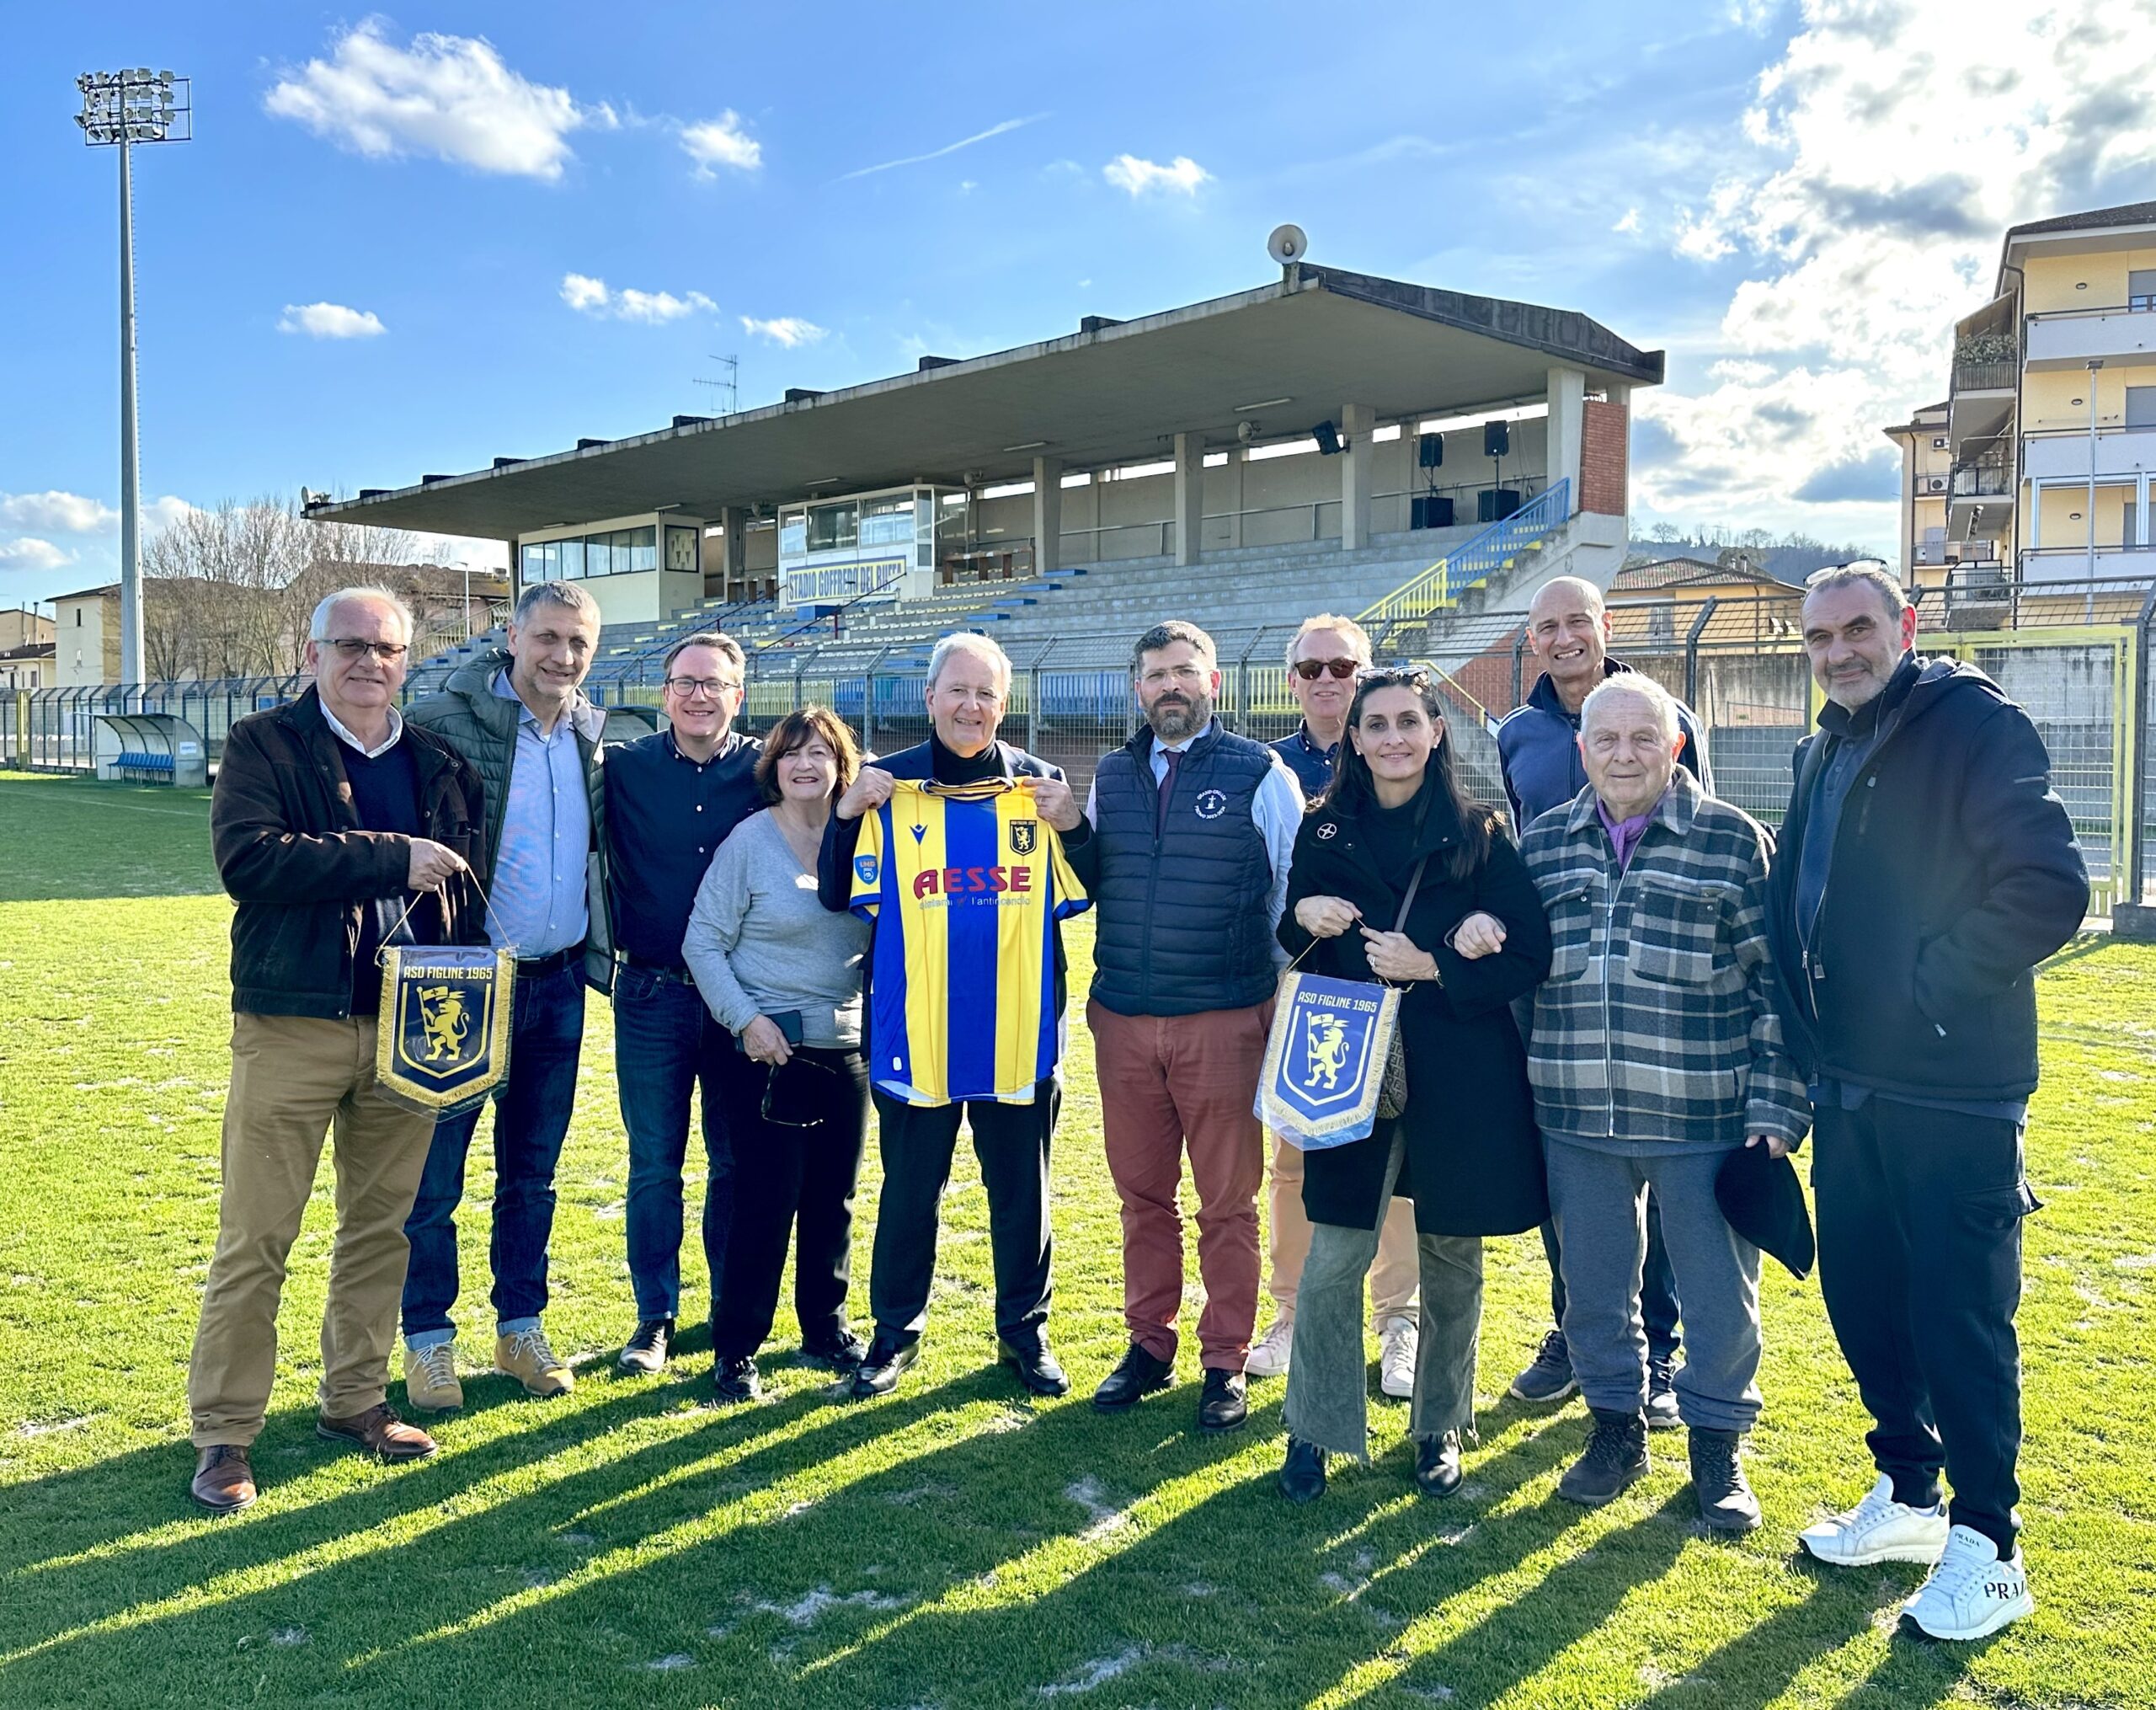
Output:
(965, 883)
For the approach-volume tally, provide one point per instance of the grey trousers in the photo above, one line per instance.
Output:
(1328, 1394)
(1599, 1202)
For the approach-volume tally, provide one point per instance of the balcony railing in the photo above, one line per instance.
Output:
(1983, 376)
(1981, 480)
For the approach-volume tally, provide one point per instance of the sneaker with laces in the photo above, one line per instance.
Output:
(1879, 1529)
(430, 1377)
(1972, 1591)
(1549, 1376)
(1616, 1454)
(1269, 1354)
(1398, 1341)
(525, 1355)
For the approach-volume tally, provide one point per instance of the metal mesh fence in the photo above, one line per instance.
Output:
(2075, 659)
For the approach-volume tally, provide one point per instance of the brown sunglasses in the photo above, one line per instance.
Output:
(1311, 670)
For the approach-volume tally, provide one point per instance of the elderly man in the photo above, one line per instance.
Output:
(330, 817)
(1656, 1052)
(521, 718)
(968, 686)
(671, 798)
(1194, 828)
(1322, 660)
(1926, 868)
(1537, 749)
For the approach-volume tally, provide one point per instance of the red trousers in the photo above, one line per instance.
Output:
(1170, 1083)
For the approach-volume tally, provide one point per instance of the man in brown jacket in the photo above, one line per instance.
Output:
(329, 817)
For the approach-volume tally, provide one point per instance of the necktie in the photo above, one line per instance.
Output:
(1174, 757)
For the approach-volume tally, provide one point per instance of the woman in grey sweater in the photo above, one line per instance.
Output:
(782, 974)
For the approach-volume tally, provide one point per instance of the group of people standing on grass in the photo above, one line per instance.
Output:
(1605, 1003)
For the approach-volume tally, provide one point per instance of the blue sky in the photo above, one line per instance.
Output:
(413, 241)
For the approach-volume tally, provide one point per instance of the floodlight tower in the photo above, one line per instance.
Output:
(122, 108)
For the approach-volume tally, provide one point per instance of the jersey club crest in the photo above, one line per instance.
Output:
(1025, 837)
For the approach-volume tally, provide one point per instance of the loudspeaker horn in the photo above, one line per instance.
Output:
(1287, 244)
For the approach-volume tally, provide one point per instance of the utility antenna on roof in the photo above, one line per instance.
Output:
(730, 386)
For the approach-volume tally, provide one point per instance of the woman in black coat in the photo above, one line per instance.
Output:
(1465, 1149)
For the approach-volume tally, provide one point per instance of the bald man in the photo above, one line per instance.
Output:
(1568, 629)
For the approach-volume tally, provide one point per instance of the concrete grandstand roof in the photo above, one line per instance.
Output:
(1110, 393)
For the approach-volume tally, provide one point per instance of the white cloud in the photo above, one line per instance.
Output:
(1127, 171)
(448, 96)
(330, 320)
(715, 142)
(789, 330)
(590, 296)
(28, 553)
(583, 292)
(163, 513)
(996, 129)
(57, 513)
(1629, 222)
(1860, 249)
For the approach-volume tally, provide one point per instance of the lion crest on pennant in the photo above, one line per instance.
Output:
(442, 1041)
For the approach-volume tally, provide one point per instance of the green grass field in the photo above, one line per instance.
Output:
(954, 1545)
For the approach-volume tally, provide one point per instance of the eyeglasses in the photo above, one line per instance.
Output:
(388, 652)
(688, 687)
(1311, 670)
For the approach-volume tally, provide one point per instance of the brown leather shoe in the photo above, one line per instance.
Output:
(224, 1483)
(380, 1432)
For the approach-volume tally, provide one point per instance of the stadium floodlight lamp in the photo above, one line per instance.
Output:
(124, 108)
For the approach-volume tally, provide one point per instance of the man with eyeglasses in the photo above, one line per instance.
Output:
(334, 823)
(519, 715)
(671, 798)
(1568, 631)
(1194, 828)
(1323, 661)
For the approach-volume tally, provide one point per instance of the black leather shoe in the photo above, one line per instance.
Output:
(1223, 1403)
(1302, 1475)
(1437, 1465)
(1139, 1376)
(1037, 1368)
(733, 1378)
(645, 1352)
(842, 1353)
(881, 1366)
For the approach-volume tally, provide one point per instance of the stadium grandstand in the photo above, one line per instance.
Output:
(1331, 438)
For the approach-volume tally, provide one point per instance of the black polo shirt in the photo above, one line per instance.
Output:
(666, 815)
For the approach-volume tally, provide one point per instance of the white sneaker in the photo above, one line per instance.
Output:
(1269, 1354)
(1879, 1529)
(1398, 1342)
(1971, 1592)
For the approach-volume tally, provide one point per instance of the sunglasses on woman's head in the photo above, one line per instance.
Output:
(1387, 675)
(1311, 670)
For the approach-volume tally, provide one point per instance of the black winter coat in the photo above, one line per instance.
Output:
(290, 851)
(1955, 872)
(1474, 1155)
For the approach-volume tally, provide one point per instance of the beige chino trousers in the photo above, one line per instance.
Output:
(295, 1078)
(1395, 1275)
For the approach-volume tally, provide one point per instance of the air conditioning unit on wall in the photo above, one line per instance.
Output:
(1934, 483)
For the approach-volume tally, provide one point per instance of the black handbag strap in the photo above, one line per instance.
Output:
(1406, 902)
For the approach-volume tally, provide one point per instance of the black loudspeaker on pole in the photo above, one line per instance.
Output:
(1430, 451)
(1497, 439)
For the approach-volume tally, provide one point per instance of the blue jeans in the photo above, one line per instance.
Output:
(665, 1044)
(531, 1119)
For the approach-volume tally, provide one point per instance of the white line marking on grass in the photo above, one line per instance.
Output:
(813, 1605)
(1097, 1673)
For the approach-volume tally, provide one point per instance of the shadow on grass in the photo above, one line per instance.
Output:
(46, 1591)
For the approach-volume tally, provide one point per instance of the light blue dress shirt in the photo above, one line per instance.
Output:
(539, 871)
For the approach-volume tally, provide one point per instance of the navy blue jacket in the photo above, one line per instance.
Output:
(1955, 872)
(1538, 745)
(1183, 925)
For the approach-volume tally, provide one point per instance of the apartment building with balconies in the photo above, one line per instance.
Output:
(2036, 471)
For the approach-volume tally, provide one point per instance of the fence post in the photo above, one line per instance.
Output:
(2131, 918)
(1519, 648)
(1692, 652)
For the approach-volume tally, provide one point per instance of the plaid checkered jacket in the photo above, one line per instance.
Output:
(1656, 1022)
